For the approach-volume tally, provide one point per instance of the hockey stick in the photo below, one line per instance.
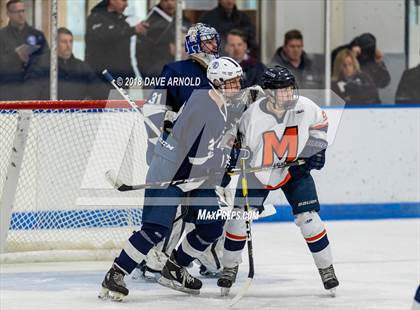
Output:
(247, 208)
(124, 94)
(119, 185)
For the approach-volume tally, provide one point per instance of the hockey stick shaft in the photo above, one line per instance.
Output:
(122, 187)
(247, 208)
(124, 94)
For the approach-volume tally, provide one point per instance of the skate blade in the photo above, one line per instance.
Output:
(333, 292)
(149, 278)
(106, 294)
(177, 287)
(224, 291)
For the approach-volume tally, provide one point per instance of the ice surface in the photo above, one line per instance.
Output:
(377, 263)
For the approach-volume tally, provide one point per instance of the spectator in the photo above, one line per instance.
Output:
(237, 48)
(20, 46)
(76, 81)
(108, 37)
(354, 86)
(226, 17)
(370, 58)
(154, 46)
(408, 90)
(292, 56)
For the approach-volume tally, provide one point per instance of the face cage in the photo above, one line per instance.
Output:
(195, 47)
(286, 103)
(222, 88)
(236, 104)
(208, 37)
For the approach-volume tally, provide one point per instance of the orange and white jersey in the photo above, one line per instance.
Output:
(273, 140)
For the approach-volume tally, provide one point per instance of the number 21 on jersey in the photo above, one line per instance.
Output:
(287, 144)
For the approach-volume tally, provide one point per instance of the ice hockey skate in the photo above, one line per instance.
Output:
(177, 277)
(113, 286)
(329, 279)
(227, 279)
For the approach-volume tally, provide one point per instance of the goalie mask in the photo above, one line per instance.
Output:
(202, 42)
(281, 87)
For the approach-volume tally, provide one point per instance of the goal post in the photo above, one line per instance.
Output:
(12, 174)
(54, 195)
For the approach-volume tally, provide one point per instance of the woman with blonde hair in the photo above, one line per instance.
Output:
(350, 83)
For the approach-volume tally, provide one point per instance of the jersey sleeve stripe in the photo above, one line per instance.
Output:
(319, 126)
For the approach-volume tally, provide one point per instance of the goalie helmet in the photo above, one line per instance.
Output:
(199, 33)
(281, 87)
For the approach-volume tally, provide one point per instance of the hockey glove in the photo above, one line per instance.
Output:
(314, 156)
(232, 156)
(316, 161)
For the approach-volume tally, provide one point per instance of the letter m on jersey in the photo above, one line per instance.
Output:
(272, 145)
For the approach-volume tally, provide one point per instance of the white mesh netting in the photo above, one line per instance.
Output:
(63, 201)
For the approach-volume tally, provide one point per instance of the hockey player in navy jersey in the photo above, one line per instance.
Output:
(202, 43)
(191, 149)
(283, 126)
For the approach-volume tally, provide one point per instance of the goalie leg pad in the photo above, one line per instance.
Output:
(235, 241)
(315, 234)
(197, 241)
(138, 245)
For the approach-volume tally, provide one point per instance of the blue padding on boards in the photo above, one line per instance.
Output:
(128, 217)
(365, 211)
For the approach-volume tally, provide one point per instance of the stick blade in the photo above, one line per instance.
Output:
(241, 293)
(111, 177)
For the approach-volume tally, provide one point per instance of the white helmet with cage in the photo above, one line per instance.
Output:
(221, 70)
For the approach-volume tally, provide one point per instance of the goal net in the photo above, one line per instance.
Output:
(55, 199)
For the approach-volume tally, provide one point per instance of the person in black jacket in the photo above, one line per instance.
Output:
(76, 80)
(408, 90)
(154, 48)
(108, 37)
(292, 56)
(351, 84)
(370, 58)
(226, 17)
(237, 48)
(20, 46)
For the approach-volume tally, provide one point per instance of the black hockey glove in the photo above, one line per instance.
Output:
(314, 156)
(316, 161)
(167, 126)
